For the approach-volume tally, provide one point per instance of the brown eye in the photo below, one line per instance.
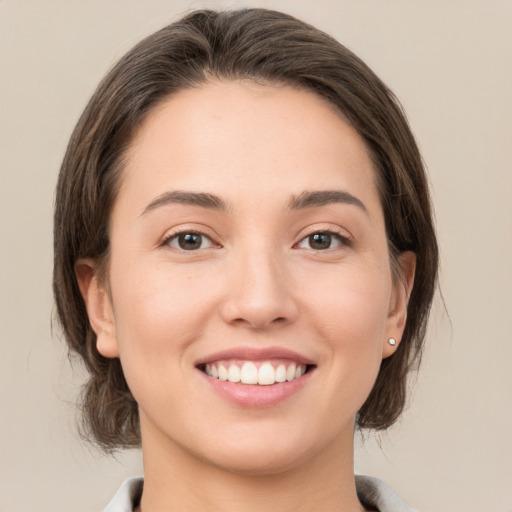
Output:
(189, 241)
(322, 240)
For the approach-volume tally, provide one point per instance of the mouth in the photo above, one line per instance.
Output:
(260, 373)
(256, 377)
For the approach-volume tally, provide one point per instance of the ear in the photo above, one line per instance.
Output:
(99, 307)
(397, 315)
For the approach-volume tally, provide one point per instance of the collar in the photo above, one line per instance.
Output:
(373, 493)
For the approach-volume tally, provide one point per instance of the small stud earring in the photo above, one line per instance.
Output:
(392, 342)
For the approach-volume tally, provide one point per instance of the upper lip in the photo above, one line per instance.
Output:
(256, 354)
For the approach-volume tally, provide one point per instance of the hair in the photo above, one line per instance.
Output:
(254, 44)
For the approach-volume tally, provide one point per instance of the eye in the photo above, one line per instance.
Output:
(323, 240)
(188, 241)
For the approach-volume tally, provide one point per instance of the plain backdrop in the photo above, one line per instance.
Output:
(450, 64)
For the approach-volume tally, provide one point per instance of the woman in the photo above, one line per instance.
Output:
(245, 261)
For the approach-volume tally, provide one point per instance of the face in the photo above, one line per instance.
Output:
(247, 242)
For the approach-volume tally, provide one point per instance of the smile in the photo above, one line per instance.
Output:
(261, 373)
(256, 377)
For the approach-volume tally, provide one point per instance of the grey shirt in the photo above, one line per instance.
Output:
(373, 493)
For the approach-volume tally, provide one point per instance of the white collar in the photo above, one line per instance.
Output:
(372, 492)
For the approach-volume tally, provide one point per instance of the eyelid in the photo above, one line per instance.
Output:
(340, 235)
(175, 233)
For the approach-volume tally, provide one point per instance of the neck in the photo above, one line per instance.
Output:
(177, 480)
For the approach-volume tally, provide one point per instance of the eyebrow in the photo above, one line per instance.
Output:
(323, 197)
(192, 198)
(305, 200)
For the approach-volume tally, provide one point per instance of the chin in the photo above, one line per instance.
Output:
(271, 460)
(254, 453)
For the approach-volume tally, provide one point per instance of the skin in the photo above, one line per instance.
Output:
(256, 281)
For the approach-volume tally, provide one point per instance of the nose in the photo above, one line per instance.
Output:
(260, 293)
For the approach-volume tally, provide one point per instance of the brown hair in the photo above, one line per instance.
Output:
(254, 44)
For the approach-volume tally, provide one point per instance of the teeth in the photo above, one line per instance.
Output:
(234, 373)
(223, 373)
(249, 373)
(281, 373)
(290, 372)
(266, 375)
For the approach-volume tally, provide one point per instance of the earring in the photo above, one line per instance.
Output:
(392, 342)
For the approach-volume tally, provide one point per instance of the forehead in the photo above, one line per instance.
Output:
(224, 137)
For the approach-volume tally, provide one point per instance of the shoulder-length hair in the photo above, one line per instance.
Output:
(260, 45)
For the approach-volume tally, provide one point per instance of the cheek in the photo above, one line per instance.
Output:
(351, 316)
(157, 312)
(157, 318)
(351, 307)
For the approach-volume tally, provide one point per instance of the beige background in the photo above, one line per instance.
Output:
(450, 64)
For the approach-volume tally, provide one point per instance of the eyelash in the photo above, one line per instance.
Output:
(342, 240)
(175, 236)
(334, 235)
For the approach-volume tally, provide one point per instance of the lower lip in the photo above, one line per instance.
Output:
(255, 396)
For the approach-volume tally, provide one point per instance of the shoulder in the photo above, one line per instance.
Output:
(127, 497)
(374, 494)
